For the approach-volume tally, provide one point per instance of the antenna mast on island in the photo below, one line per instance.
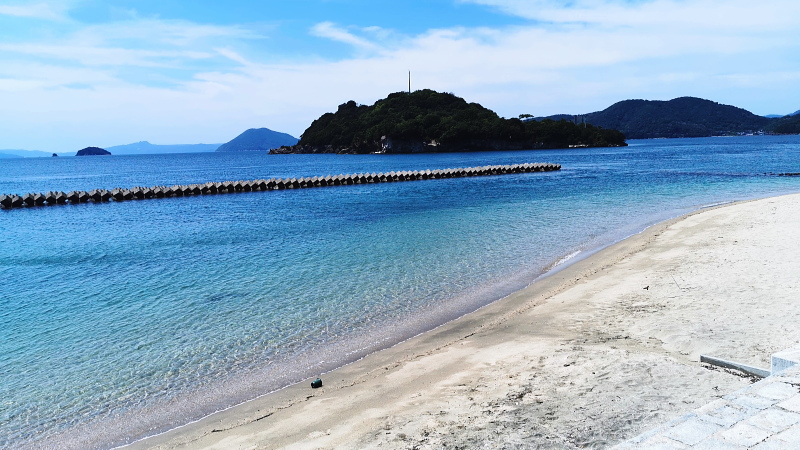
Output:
(409, 81)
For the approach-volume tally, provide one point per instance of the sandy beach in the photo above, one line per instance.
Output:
(594, 354)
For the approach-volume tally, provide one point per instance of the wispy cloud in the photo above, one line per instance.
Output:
(28, 76)
(105, 56)
(329, 30)
(41, 11)
(741, 15)
(175, 33)
(234, 56)
(146, 43)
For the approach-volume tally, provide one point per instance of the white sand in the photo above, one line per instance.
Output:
(595, 354)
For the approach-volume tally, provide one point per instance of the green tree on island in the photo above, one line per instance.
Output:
(430, 121)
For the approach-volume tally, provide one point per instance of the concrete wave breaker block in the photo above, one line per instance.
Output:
(785, 359)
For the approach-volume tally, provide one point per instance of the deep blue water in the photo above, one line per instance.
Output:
(120, 317)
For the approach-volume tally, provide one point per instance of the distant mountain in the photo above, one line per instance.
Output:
(258, 139)
(778, 116)
(146, 148)
(680, 117)
(8, 155)
(25, 153)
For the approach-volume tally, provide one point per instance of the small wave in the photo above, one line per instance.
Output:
(566, 258)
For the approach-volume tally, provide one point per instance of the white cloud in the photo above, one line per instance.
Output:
(176, 33)
(741, 15)
(147, 43)
(19, 76)
(233, 56)
(42, 11)
(105, 56)
(333, 32)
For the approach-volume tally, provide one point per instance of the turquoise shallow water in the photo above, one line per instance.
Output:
(124, 319)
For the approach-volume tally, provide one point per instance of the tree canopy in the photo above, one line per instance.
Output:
(785, 125)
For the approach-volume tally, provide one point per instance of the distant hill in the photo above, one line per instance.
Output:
(146, 148)
(258, 139)
(785, 125)
(24, 153)
(427, 121)
(778, 116)
(8, 155)
(680, 117)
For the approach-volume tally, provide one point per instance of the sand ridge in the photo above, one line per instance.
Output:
(592, 355)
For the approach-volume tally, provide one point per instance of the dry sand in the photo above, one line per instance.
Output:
(592, 355)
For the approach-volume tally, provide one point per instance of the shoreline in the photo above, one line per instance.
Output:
(93, 434)
(552, 269)
(358, 379)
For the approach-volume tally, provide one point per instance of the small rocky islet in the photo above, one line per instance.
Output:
(92, 151)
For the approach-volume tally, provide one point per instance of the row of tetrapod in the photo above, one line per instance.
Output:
(226, 187)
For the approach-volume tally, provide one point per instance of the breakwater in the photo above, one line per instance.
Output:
(227, 187)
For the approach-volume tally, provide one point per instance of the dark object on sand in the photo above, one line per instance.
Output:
(316, 383)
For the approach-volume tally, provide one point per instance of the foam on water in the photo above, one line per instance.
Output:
(126, 319)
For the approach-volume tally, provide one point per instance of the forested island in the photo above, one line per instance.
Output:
(427, 121)
(93, 151)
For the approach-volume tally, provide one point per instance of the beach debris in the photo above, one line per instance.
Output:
(316, 383)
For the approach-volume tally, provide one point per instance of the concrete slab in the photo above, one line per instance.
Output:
(785, 359)
(751, 401)
(662, 443)
(717, 444)
(789, 437)
(692, 431)
(744, 435)
(727, 415)
(792, 404)
(770, 445)
(774, 420)
(745, 368)
(776, 391)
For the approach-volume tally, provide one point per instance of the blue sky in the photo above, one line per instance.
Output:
(75, 73)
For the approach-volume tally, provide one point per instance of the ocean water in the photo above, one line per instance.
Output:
(122, 320)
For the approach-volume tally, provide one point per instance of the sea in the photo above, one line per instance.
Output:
(123, 320)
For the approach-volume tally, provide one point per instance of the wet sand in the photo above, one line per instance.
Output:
(594, 354)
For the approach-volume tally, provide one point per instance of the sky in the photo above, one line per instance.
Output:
(78, 73)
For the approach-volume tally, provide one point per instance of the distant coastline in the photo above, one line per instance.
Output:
(418, 128)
